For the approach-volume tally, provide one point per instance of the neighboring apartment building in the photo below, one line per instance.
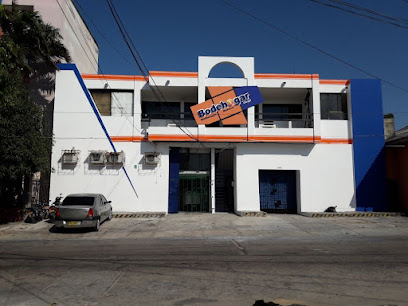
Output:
(397, 169)
(77, 38)
(310, 144)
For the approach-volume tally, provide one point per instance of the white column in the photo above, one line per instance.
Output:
(316, 107)
(212, 180)
(137, 109)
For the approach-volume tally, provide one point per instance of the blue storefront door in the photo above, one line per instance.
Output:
(277, 191)
(174, 170)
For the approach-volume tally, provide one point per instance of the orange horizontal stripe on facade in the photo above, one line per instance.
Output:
(174, 74)
(225, 138)
(308, 139)
(334, 82)
(285, 76)
(113, 77)
(128, 138)
(337, 140)
(172, 138)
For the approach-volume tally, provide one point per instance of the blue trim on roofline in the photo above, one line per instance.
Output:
(74, 68)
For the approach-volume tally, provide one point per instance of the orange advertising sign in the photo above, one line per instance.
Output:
(226, 104)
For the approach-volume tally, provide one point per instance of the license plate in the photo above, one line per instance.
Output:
(74, 222)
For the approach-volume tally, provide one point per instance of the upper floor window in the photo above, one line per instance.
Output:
(157, 110)
(113, 103)
(279, 111)
(333, 106)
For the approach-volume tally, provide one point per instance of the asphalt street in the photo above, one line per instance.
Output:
(203, 259)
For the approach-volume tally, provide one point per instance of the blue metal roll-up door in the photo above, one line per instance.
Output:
(277, 191)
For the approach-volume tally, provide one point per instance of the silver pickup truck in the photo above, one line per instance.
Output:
(83, 210)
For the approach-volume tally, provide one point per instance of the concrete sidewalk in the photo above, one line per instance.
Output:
(218, 226)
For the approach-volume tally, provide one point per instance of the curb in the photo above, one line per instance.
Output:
(139, 215)
(252, 214)
(351, 214)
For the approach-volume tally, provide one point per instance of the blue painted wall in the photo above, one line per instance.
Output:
(368, 145)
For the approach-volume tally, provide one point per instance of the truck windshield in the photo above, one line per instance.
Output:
(83, 201)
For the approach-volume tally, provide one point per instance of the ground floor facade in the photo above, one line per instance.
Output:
(219, 177)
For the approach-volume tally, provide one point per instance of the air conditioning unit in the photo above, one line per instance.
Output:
(152, 158)
(115, 158)
(267, 124)
(97, 157)
(70, 157)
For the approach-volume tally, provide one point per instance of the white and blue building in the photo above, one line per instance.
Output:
(311, 144)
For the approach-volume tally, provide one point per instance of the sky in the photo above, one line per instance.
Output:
(170, 35)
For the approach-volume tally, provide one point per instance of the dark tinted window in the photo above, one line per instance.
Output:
(333, 106)
(85, 201)
(157, 110)
(187, 110)
(282, 111)
(195, 161)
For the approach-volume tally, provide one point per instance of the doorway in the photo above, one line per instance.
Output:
(224, 180)
(277, 191)
(194, 180)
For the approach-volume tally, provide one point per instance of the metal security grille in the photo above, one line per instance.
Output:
(194, 192)
(277, 191)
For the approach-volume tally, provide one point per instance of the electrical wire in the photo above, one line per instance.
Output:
(101, 33)
(359, 14)
(132, 123)
(142, 67)
(369, 11)
(313, 46)
(98, 68)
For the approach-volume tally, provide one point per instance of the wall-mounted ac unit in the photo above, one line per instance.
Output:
(115, 158)
(267, 124)
(152, 158)
(70, 157)
(97, 157)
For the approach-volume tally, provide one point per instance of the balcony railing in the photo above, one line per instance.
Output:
(262, 120)
(283, 120)
(169, 119)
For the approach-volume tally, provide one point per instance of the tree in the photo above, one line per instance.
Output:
(29, 52)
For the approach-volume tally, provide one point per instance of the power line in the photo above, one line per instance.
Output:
(132, 123)
(369, 11)
(141, 65)
(101, 33)
(95, 59)
(312, 46)
(359, 14)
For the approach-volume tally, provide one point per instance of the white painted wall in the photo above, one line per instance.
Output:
(326, 173)
(76, 126)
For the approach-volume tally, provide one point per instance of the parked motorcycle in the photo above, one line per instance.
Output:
(34, 213)
(53, 208)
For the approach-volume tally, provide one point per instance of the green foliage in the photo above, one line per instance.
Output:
(32, 45)
(24, 144)
(29, 52)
